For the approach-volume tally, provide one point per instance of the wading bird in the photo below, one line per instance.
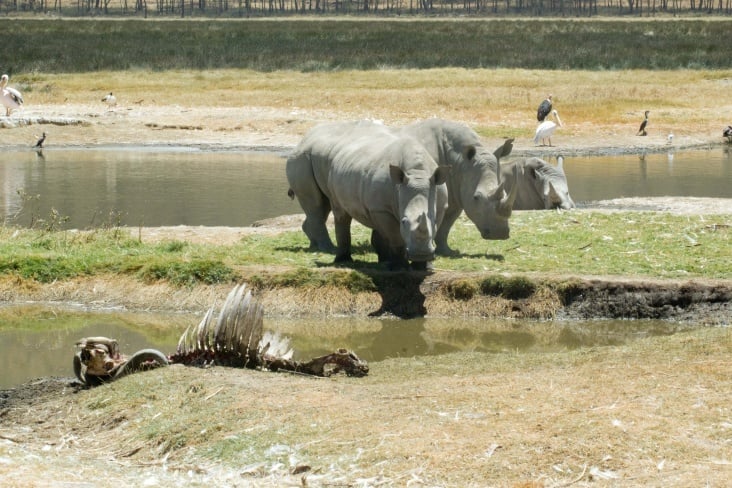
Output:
(644, 124)
(110, 100)
(545, 130)
(40, 141)
(10, 97)
(728, 133)
(545, 109)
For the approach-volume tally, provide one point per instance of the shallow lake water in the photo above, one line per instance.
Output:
(40, 341)
(184, 186)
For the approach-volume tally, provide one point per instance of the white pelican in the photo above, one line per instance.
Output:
(110, 100)
(11, 98)
(544, 109)
(546, 129)
(642, 130)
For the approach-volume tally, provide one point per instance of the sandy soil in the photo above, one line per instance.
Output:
(659, 417)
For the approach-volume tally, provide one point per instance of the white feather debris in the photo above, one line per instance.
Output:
(600, 474)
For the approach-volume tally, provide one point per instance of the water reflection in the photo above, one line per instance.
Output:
(143, 187)
(184, 186)
(40, 342)
(688, 174)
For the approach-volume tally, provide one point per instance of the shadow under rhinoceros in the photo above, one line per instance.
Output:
(400, 291)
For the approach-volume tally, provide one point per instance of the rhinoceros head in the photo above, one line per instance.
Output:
(551, 183)
(486, 201)
(422, 198)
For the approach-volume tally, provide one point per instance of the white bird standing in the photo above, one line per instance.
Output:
(545, 130)
(110, 100)
(10, 97)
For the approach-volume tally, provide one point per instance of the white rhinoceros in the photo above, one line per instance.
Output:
(475, 180)
(385, 180)
(539, 185)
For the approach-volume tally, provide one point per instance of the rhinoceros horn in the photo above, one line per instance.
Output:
(505, 207)
(552, 195)
(422, 228)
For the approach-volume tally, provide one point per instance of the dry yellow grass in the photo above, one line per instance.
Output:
(601, 108)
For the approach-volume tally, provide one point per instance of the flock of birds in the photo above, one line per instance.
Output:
(13, 100)
(546, 127)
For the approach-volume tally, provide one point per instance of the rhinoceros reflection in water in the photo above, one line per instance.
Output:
(385, 180)
(539, 185)
(475, 183)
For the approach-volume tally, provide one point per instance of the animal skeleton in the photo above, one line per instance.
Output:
(236, 339)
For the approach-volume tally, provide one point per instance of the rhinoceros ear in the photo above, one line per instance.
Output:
(469, 152)
(533, 165)
(397, 175)
(441, 174)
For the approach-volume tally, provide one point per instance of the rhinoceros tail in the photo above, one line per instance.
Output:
(291, 193)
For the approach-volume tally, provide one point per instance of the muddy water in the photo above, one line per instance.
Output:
(184, 186)
(37, 341)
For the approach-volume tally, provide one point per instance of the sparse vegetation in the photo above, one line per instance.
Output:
(361, 44)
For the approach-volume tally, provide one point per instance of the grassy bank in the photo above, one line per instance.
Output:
(653, 412)
(586, 243)
(327, 45)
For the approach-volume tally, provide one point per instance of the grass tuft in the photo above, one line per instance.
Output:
(462, 289)
(513, 288)
(188, 273)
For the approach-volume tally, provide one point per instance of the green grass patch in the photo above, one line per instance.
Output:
(354, 281)
(189, 273)
(513, 288)
(643, 244)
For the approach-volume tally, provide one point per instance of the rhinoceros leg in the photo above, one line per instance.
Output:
(381, 246)
(394, 258)
(315, 228)
(392, 252)
(451, 215)
(312, 200)
(343, 236)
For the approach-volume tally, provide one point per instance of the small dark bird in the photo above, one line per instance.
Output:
(728, 133)
(644, 124)
(545, 108)
(40, 141)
